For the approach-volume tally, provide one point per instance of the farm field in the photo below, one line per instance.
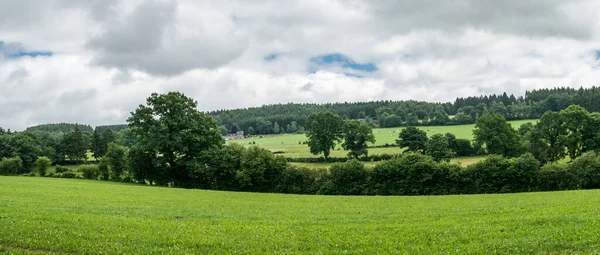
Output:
(289, 144)
(463, 161)
(67, 216)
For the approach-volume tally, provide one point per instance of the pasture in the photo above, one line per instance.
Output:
(290, 144)
(67, 216)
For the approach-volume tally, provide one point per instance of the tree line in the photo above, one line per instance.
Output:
(290, 118)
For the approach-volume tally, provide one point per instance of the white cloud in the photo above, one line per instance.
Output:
(110, 55)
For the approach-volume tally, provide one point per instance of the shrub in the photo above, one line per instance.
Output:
(414, 174)
(89, 172)
(61, 169)
(587, 169)
(103, 170)
(42, 164)
(70, 175)
(11, 166)
(298, 180)
(556, 176)
(349, 178)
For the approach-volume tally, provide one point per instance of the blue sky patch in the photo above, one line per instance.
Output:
(271, 57)
(15, 50)
(337, 59)
(598, 55)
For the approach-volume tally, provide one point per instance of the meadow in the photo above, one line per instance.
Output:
(290, 144)
(68, 216)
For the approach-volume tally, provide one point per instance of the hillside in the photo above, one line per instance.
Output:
(60, 216)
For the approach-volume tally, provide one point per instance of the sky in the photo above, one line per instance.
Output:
(95, 61)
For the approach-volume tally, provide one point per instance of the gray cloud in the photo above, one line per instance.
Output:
(111, 54)
(155, 38)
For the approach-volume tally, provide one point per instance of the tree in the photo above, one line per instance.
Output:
(42, 164)
(461, 147)
(25, 147)
(292, 127)
(172, 131)
(574, 120)
(439, 149)
(116, 156)
(223, 130)
(413, 139)
(97, 145)
(498, 136)
(276, 129)
(356, 135)
(546, 140)
(323, 129)
(75, 145)
(108, 136)
(411, 119)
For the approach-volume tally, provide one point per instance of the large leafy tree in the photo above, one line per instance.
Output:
(323, 130)
(439, 149)
(75, 145)
(413, 139)
(96, 145)
(498, 136)
(574, 119)
(356, 135)
(546, 140)
(172, 132)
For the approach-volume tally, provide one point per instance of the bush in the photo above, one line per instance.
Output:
(103, 170)
(349, 178)
(414, 174)
(587, 169)
(70, 175)
(42, 164)
(299, 180)
(89, 172)
(11, 166)
(496, 174)
(61, 169)
(556, 176)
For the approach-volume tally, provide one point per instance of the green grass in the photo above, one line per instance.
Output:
(289, 143)
(463, 161)
(65, 216)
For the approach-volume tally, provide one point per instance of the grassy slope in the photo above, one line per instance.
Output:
(57, 216)
(289, 143)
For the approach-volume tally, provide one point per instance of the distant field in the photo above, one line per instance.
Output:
(66, 216)
(289, 144)
(463, 161)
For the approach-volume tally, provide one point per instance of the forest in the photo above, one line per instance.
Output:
(289, 118)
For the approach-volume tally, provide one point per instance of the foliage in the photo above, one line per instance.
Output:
(42, 164)
(356, 135)
(116, 156)
(413, 139)
(11, 166)
(103, 169)
(260, 170)
(439, 149)
(90, 172)
(414, 174)
(170, 127)
(323, 130)
(61, 169)
(75, 145)
(498, 136)
(349, 178)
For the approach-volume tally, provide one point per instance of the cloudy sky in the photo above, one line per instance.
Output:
(94, 61)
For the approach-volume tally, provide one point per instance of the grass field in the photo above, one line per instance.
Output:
(289, 144)
(66, 216)
(463, 161)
